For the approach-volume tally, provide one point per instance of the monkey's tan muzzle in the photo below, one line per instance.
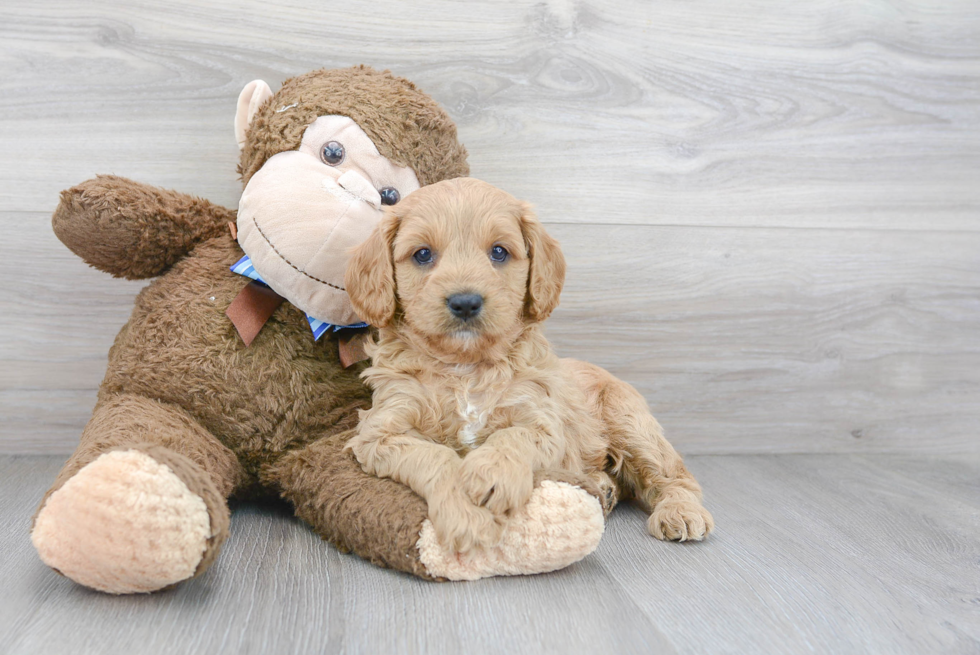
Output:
(298, 221)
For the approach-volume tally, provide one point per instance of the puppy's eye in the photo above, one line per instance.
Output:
(423, 256)
(390, 195)
(332, 153)
(498, 254)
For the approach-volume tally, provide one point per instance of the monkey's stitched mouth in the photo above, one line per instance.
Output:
(294, 266)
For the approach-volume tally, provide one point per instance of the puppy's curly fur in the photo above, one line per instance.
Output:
(469, 404)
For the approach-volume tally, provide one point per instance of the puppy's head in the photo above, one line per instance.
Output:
(460, 266)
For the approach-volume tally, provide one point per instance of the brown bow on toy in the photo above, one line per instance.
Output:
(255, 304)
(252, 308)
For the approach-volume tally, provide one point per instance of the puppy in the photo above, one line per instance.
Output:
(469, 398)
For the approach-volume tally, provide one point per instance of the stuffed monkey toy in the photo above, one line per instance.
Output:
(237, 374)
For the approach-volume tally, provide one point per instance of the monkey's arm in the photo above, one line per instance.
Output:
(134, 230)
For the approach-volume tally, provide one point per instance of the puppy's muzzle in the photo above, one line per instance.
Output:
(465, 306)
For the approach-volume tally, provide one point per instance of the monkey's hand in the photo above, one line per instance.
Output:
(134, 230)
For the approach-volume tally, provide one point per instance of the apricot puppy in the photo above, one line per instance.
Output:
(469, 398)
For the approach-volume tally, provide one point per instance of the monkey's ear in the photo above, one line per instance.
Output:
(249, 100)
(370, 276)
(547, 267)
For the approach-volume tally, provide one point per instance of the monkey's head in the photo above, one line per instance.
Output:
(319, 159)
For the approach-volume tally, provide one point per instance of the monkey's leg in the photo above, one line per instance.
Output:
(141, 504)
(650, 468)
(386, 523)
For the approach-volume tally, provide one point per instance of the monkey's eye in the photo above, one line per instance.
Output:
(423, 256)
(390, 195)
(498, 254)
(332, 153)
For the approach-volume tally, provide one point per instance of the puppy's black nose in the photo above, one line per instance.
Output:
(465, 305)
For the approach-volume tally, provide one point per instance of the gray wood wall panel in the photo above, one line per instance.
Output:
(770, 210)
(743, 340)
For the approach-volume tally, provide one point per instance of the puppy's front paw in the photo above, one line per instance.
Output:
(489, 479)
(560, 525)
(461, 525)
(680, 520)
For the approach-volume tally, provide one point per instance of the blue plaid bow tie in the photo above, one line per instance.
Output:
(244, 267)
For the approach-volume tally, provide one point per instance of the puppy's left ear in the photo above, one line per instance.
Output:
(370, 275)
(547, 270)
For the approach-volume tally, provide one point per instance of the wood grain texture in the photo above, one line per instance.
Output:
(743, 340)
(770, 211)
(827, 113)
(813, 554)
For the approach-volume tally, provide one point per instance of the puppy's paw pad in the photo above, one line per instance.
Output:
(124, 523)
(680, 521)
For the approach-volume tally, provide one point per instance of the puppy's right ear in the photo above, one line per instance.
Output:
(370, 275)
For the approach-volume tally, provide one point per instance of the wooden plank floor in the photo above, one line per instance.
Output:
(813, 554)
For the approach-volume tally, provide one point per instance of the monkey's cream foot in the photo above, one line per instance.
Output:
(560, 525)
(124, 523)
(680, 519)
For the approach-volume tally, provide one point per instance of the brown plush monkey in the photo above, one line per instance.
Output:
(220, 386)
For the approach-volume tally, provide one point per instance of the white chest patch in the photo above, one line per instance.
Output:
(474, 419)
